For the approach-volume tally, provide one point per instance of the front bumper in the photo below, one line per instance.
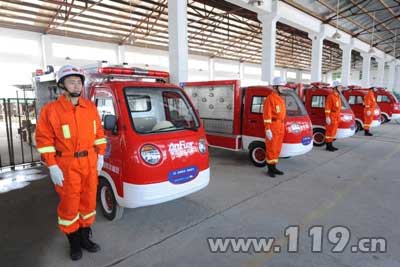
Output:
(291, 150)
(151, 194)
(344, 133)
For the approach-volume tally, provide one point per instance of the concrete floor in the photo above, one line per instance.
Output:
(357, 186)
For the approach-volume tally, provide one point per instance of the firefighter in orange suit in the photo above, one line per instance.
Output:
(71, 142)
(333, 107)
(369, 107)
(274, 123)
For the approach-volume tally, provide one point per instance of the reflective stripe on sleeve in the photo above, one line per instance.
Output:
(100, 141)
(46, 149)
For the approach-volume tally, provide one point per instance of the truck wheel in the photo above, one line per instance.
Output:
(257, 154)
(358, 127)
(384, 119)
(109, 206)
(319, 137)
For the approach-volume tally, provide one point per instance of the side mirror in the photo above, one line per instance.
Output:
(110, 123)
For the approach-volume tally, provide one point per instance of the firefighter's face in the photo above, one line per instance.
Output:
(73, 84)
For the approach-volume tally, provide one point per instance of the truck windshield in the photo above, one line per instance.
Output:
(396, 96)
(155, 110)
(345, 104)
(294, 106)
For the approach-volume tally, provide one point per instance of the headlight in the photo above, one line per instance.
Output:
(295, 128)
(202, 146)
(376, 112)
(347, 117)
(396, 107)
(150, 154)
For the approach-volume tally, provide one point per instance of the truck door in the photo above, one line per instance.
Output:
(253, 122)
(106, 105)
(315, 105)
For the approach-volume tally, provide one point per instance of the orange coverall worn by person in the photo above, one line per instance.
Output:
(71, 142)
(369, 108)
(333, 107)
(274, 123)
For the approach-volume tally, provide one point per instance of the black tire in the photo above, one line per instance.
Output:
(319, 137)
(109, 206)
(359, 127)
(257, 153)
(384, 119)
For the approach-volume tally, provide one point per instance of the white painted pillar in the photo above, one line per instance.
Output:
(316, 56)
(346, 63)
(366, 70)
(211, 68)
(381, 72)
(45, 46)
(178, 41)
(268, 25)
(121, 54)
(392, 75)
(283, 74)
(241, 70)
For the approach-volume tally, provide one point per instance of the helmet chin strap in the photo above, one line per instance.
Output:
(73, 94)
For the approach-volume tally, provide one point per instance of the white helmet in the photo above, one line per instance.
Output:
(278, 81)
(336, 83)
(68, 70)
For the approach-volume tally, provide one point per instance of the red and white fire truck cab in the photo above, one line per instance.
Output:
(355, 97)
(314, 97)
(156, 145)
(233, 118)
(388, 103)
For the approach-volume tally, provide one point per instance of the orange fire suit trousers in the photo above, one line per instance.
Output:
(274, 146)
(78, 194)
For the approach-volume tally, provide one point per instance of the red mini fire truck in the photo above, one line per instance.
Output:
(232, 117)
(156, 145)
(355, 97)
(388, 103)
(313, 97)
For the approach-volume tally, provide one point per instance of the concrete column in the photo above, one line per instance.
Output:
(211, 69)
(268, 24)
(346, 63)
(316, 61)
(381, 72)
(366, 70)
(241, 70)
(45, 46)
(178, 42)
(121, 54)
(392, 75)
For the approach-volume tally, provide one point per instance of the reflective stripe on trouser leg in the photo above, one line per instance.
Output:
(330, 132)
(87, 206)
(273, 147)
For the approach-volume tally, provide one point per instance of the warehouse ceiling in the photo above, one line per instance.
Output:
(215, 28)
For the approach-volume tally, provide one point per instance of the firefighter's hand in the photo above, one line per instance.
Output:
(56, 175)
(368, 113)
(268, 133)
(100, 163)
(328, 120)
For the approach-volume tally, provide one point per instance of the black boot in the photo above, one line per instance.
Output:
(329, 147)
(75, 247)
(367, 133)
(334, 148)
(276, 171)
(271, 170)
(86, 243)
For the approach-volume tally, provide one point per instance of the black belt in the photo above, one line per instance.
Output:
(275, 119)
(78, 154)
